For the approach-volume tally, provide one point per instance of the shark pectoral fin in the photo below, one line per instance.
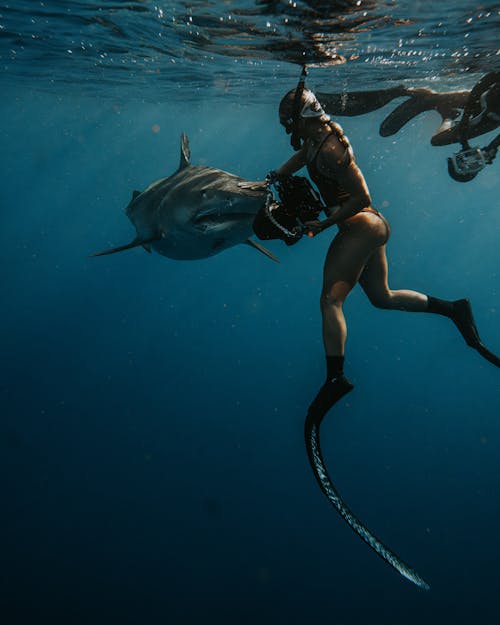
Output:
(262, 249)
(128, 246)
(185, 159)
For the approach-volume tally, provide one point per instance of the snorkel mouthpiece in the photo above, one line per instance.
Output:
(295, 140)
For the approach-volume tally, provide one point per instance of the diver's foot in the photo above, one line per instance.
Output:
(329, 394)
(462, 317)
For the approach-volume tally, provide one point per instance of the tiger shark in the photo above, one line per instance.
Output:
(195, 213)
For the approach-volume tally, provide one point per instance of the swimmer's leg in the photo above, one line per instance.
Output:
(344, 263)
(374, 281)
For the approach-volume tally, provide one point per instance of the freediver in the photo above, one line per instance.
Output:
(464, 115)
(357, 253)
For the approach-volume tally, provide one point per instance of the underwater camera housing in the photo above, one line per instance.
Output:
(466, 164)
(298, 202)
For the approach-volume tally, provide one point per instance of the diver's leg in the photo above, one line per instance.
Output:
(344, 264)
(374, 281)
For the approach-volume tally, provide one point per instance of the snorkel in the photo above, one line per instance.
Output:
(295, 139)
(303, 107)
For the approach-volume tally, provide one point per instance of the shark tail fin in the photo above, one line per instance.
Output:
(128, 246)
(262, 249)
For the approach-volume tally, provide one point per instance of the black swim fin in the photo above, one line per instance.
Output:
(328, 395)
(463, 318)
(403, 113)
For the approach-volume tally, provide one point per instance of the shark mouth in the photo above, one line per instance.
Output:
(209, 221)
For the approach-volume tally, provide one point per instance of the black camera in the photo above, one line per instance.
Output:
(466, 164)
(284, 219)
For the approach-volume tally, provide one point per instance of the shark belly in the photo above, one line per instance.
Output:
(208, 237)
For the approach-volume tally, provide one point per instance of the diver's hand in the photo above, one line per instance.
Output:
(257, 185)
(272, 205)
(272, 177)
(314, 227)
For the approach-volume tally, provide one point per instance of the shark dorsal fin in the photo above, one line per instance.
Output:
(135, 194)
(185, 152)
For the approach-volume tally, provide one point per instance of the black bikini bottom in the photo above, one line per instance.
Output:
(344, 226)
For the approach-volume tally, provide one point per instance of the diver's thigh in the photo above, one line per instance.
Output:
(346, 258)
(374, 278)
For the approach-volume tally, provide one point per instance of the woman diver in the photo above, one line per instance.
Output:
(358, 251)
(356, 254)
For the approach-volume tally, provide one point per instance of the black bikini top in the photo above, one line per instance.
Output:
(331, 191)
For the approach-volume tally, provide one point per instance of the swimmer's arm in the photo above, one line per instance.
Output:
(353, 181)
(293, 164)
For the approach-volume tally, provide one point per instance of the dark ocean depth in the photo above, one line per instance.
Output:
(153, 469)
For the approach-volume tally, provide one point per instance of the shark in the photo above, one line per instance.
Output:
(195, 213)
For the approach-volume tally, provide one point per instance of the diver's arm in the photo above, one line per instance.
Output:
(293, 164)
(354, 182)
(350, 177)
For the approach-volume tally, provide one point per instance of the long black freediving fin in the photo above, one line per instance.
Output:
(312, 438)
(485, 353)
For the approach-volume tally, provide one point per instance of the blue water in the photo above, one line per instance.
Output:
(152, 462)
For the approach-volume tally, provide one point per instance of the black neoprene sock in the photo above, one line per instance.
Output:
(439, 306)
(335, 387)
(334, 367)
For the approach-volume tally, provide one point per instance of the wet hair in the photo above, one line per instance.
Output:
(286, 104)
